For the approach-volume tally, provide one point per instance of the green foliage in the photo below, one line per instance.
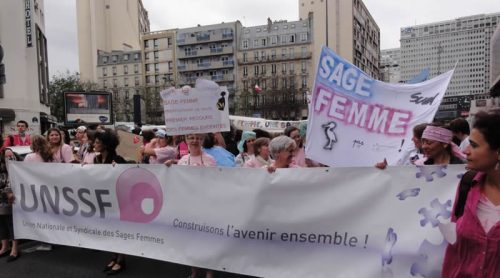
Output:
(61, 83)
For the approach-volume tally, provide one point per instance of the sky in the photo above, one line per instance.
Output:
(390, 15)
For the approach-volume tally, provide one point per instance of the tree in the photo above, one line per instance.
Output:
(63, 83)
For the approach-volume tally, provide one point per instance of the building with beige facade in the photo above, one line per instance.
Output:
(275, 70)
(24, 88)
(347, 27)
(158, 70)
(120, 72)
(107, 25)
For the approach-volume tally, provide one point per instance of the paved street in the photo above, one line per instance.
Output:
(72, 262)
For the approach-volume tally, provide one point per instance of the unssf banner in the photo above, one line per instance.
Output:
(352, 115)
(343, 222)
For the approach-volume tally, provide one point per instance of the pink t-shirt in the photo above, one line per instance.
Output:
(163, 154)
(88, 158)
(488, 213)
(256, 162)
(33, 157)
(200, 160)
(64, 154)
(299, 159)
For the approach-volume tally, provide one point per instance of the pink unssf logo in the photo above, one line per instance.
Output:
(140, 197)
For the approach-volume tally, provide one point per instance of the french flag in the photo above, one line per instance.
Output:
(258, 89)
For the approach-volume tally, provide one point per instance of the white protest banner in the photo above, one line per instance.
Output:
(202, 109)
(249, 123)
(355, 120)
(330, 222)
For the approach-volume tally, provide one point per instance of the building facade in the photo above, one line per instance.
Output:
(159, 70)
(389, 65)
(107, 26)
(120, 72)
(275, 70)
(439, 46)
(208, 52)
(346, 27)
(495, 63)
(24, 94)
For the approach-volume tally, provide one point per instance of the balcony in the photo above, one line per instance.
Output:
(206, 52)
(275, 59)
(204, 38)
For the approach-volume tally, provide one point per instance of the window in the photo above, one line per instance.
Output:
(170, 66)
(292, 38)
(136, 80)
(283, 53)
(303, 67)
(157, 67)
(148, 67)
(114, 70)
(157, 79)
(125, 81)
(104, 71)
(146, 43)
(105, 84)
(136, 68)
(105, 59)
(256, 70)
(125, 69)
(245, 44)
(273, 68)
(156, 43)
(245, 71)
(263, 42)
(274, 40)
(136, 56)
(283, 68)
(126, 57)
(114, 58)
(256, 55)
(115, 83)
(156, 55)
(273, 54)
(169, 42)
(245, 57)
(255, 43)
(303, 37)
(263, 69)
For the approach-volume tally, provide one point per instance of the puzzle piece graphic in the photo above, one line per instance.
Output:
(430, 260)
(437, 209)
(429, 171)
(390, 241)
(412, 192)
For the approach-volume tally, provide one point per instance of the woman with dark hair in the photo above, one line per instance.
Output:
(61, 151)
(299, 157)
(416, 153)
(105, 143)
(89, 153)
(476, 250)
(262, 154)
(6, 200)
(438, 147)
(41, 150)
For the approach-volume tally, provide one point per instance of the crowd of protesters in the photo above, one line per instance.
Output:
(434, 144)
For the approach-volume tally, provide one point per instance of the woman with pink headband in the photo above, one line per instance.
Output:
(438, 147)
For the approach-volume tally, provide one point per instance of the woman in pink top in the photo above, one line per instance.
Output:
(299, 156)
(62, 153)
(476, 251)
(196, 157)
(262, 154)
(89, 153)
(41, 150)
(160, 149)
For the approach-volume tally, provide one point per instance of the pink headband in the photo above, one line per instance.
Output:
(439, 134)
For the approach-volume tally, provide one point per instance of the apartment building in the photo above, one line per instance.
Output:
(275, 70)
(24, 77)
(347, 27)
(389, 65)
(107, 26)
(440, 46)
(158, 70)
(208, 52)
(120, 72)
